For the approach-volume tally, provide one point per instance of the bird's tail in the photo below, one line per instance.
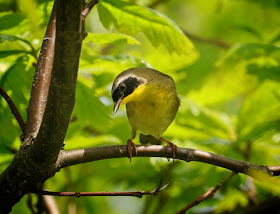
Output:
(145, 139)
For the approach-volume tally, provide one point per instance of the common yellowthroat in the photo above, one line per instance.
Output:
(151, 104)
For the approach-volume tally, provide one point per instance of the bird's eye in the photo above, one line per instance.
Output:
(122, 87)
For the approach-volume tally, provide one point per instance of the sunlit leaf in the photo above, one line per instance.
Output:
(233, 197)
(80, 142)
(207, 121)
(17, 82)
(110, 38)
(25, 6)
(265, 70)
(11, 52)
(249, 51)
(260, 112)
(251, 31)
(131, 19)
(275, 39)
(9, 20)
(11, 38)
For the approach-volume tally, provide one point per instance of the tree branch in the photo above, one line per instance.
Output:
(211, 41)
(275, 170)
(61, 96)
(88, 9)
(41, 81)
(73, 157)
(40, 155)
(13, 109)
(207, 195)
(137, 194)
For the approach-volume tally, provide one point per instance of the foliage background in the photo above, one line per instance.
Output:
(229, 90)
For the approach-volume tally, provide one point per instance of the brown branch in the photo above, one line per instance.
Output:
(137, 194)
(50, 204)
(207, 195)
(40, 155)
(73, 157)
(61, 95)
(41, 81)
(88, 9)
(13, 109)
(210, 41)
(275, 170)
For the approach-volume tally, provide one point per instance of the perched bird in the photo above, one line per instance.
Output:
(151, 104)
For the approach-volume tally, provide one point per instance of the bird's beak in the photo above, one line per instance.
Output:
(117, 105)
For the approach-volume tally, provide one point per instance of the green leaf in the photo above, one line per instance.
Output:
(9, 20)
(89, 110)
(26, 6)
(80, 142)
(11, 52)
(251, 31)
(17, 82)
(5, 37)
(6, 158)
(260, 130)
(110, 38)
(260, 113)
(265, 3)
(260, 60)
(268, 69)
(132, 19)
(249, 51)
(11, 38)
(275, 39)
(196, 75)
(205, 120)
(232, 199)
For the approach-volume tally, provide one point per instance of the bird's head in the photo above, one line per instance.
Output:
(125, 85)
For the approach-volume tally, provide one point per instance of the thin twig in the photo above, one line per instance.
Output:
(13, 109)
(211, 41)
(137, 194)
(207, 195)
(88, 9)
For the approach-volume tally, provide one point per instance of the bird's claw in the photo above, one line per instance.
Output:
(174, 149)
(172, 145)
(131, 145)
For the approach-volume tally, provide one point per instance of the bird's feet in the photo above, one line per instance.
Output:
(131, 145)
(172, 145)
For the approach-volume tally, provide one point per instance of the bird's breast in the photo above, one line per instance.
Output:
(152, 114)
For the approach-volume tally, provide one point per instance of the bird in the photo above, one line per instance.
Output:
(151, 102)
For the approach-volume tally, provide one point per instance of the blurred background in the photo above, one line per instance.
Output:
(224, 56)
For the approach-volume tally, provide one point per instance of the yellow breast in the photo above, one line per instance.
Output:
(152, 107)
